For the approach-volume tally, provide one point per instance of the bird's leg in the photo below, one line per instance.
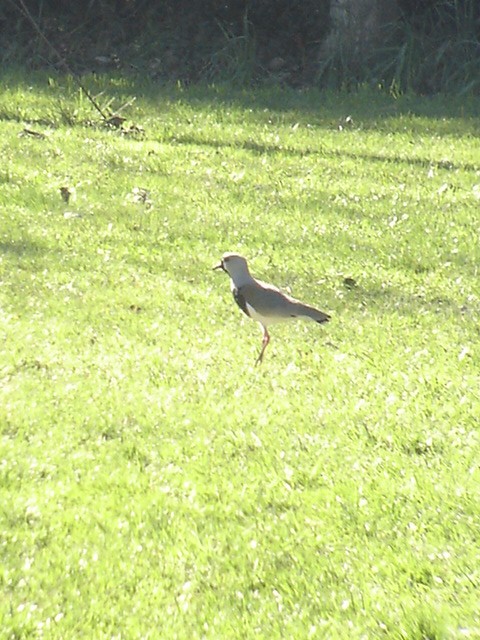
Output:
(265, 341)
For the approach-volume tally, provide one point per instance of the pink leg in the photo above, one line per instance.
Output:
(265, 341)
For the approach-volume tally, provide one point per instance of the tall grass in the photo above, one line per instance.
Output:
(235, 60)
(438, 51)
(433, 50)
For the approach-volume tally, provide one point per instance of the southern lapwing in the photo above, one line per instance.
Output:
(263, 302)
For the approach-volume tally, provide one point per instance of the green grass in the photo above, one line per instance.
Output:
(154, 483)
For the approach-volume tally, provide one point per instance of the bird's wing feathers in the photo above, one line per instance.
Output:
(267, 300)
(270, 302)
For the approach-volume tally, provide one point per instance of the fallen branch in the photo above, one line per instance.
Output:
(23, 9)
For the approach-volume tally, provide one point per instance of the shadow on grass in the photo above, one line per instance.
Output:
(388, 299)
(264, 148)
(369, 107)
(24, 251)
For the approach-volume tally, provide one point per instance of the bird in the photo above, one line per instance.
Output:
(263, 302)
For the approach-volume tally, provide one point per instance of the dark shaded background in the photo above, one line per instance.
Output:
(246, 40)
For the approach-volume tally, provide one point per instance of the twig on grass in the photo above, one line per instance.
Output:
(23, 9)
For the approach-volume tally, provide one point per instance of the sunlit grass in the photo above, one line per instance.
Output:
(154, 483)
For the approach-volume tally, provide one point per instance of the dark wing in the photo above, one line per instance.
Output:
(240, 300)
(270, 302)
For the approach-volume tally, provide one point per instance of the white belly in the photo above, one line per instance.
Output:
(264, 320)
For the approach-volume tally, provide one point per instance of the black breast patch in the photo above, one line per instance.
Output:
(240, 300)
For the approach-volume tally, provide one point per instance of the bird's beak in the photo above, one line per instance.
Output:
(219, 266)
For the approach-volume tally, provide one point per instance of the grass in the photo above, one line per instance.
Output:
(154, 483)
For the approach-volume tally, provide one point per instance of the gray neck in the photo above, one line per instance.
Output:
(241, 278)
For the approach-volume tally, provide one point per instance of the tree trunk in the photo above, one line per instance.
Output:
(358, 29)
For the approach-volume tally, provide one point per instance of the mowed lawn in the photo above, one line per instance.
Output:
(154, 483)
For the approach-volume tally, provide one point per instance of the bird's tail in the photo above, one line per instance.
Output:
(306, 311)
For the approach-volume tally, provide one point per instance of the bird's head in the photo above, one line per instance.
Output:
(233, 264)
